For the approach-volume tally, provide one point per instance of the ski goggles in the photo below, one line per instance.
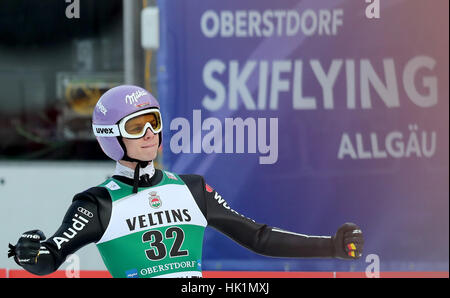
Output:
(133, 126)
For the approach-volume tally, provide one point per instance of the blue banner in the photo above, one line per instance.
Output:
(305, 115)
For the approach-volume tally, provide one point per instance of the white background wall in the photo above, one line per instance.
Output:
(36, 195)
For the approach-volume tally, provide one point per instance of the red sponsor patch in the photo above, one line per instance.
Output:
(208, 188)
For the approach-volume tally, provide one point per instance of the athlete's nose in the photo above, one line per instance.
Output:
(149, 134)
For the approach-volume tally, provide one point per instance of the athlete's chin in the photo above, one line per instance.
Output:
(144, 153)
(149, 154)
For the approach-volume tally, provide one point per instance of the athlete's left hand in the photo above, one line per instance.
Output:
(348, 242)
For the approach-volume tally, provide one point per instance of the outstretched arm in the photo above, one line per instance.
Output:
(79, 227)
(347, 243)
(261, 238)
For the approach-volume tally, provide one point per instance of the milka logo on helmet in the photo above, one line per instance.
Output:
(101, 108)
(133, 97)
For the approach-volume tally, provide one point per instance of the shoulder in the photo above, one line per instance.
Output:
(196, 185)
(94, 194)
(97, 198)
(192, 178)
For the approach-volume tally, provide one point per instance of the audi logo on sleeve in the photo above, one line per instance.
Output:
(85, 212)
(78, 224)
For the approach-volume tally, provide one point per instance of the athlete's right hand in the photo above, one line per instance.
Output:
(26, 251)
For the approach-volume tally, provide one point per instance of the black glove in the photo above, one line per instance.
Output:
(26, 250)
(348, 242)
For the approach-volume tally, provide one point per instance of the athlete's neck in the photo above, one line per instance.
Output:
(126, 168)
(130, 164)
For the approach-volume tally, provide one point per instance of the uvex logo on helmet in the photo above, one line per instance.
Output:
(133, 97)
(104, 130)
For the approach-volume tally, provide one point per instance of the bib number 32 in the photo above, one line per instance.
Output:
(159, 250)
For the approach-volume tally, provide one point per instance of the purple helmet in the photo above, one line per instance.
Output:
(113, 105)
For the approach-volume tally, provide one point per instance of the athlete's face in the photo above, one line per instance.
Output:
(145, 148)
